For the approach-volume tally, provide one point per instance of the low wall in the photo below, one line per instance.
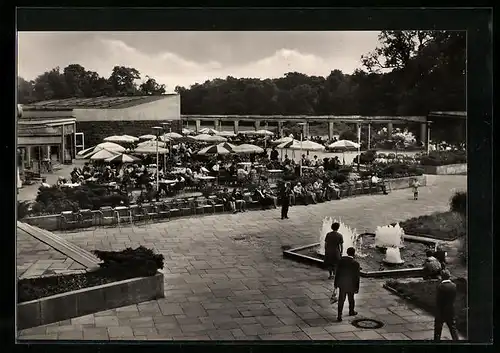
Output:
(90, 300)
(451, 169)
(404, 183)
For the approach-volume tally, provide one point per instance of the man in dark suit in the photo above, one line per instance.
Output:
(285, 200)
(445, 307)
(347, 281)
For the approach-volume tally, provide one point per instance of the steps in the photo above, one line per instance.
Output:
(79, 255)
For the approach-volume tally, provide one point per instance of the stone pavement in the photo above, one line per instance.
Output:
(225, 278)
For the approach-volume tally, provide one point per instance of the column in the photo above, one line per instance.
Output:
(216, 124)
(257, 124)
(28, 156)
(305, 128)
(47, 152)
(280, 128)
(236, 126)
(389, 128)
(198, 125)
(423, 134)
(369, 134)
(63, 145)
(330, 130)
(266, 125)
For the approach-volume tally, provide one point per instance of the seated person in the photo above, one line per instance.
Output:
(440, 255)
(378, 183)
(61, 181)
(318, 190)
(432, 266)
(75, 174)
(310, 193)
(239, 199)
(44, 183)
(228, 200)
(299, 194)
(269, 194)
(261, 197)
(332, 190)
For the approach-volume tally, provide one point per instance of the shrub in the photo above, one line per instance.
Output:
(441, 225)
(438, 158)
(141, 261)
(366, 157)
(22, 209)
(458, 202)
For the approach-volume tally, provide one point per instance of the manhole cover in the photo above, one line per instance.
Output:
(370, 324)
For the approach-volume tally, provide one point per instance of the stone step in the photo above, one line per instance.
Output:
(72, 251)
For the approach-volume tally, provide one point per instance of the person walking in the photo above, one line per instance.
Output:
(415, 187)
(347, 282)
(285, 200)
(333, 252)
(445, 307)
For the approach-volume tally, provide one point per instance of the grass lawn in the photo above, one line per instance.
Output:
(440, 225)
(423, 294)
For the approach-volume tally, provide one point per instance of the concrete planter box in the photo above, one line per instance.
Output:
(451, 169)
(90, 300)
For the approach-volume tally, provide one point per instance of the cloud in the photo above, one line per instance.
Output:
(102, 54)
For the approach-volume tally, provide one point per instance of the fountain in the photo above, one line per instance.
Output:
(351, 237)
(393, 256)
(389, 237)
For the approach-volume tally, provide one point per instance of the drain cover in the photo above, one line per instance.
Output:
(370, 324)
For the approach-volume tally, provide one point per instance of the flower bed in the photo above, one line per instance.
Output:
(423, 294)
(440, 225)
(55, 200)
(440, 158)
(116, 266)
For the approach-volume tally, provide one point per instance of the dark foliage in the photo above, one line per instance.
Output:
(458, 202)
(438, 158)
(116, 266)
(22, 209)
(366, 157)
(441, 225)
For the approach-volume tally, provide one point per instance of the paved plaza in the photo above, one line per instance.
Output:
(226, 279)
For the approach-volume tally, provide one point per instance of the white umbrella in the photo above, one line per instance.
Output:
(215, 149)
(120, 139)
(152, 143)
(173, 135)
(147, 137)
(216, 138)
(344, 144)
(228, 146)
(149, 149)
(133, 138)
(110, 146)
(287, 144)
(307, 146)
(260, 133)
(247, 148)
(187, 131)
(122, 158)
(226, 133)
(165, 138)
(282, 140)
(103, 154)
(208, 130)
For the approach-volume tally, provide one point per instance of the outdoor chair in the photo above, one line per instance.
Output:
(174, 208)
(215, 204)
(163, 210)
(187, 206)
(107, 214)
(138, 213)
(87, 218)
(202, 205)
(150, 212)
(69, 219)
(123, 214)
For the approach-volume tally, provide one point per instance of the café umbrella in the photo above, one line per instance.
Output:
(226, 134)
(173, 135)
(122, 158)
(248, 148)
(110, 146)
(307, 146)
(133, 138)
(208, 130)
(215, 149)
(150, 149)
(282, 140)
(147, 137)
(228, 146)
(120, 139)
(152, 143)
(260, 133)
(103, 155)
(344, 144)
(187, 131)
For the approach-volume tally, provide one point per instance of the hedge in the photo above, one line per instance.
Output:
(439, 158)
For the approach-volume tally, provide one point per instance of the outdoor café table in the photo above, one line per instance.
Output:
(202, 177)
(168, 182)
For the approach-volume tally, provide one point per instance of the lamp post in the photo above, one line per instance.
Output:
(359, 143)
(301, 139)
(165, 126)
(428, 137)
(157, 132)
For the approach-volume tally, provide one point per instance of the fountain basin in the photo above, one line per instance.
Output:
(372, 265)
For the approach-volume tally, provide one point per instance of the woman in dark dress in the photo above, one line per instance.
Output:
(333, 249)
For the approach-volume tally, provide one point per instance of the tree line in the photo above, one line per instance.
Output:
(408, 73)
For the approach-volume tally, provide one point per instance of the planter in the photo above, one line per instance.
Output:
(451, 169)
(90, 300)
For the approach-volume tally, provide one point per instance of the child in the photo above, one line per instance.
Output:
(415, 185)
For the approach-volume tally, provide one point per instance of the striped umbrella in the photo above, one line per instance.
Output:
(122, 158)
(215, 149)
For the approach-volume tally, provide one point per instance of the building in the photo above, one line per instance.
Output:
(43, 139)
(97, 118)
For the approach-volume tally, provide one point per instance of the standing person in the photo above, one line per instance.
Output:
(333, 250)
(445, 307)
(347, 281)
(286, 194)
(415, 186)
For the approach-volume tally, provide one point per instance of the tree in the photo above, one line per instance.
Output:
(76, 78)
(151, 87)
(51, 85)
(25, 91)
(122, 81)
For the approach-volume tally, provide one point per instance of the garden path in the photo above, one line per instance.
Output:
(225, 278)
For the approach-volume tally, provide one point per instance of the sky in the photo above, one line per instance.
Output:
(185, 58)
